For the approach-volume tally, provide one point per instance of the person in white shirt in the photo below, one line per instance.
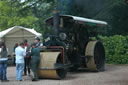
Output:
(20, 54)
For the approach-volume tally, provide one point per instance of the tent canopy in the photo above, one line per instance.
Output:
(17, 34)
(15, 29)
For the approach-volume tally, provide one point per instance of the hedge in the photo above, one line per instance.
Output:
(116, 48)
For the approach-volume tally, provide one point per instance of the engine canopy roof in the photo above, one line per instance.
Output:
(78, 20)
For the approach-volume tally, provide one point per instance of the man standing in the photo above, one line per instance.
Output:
(35, 53)
(20, 54)
(37, 42)
(27, 58)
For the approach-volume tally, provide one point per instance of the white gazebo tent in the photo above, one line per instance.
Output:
(17, 34)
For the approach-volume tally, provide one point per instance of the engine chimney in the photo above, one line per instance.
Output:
(56, 22)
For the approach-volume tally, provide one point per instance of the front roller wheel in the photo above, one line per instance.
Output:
(49, 67)
(95, 56)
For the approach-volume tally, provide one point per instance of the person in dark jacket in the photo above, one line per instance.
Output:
(35, 54)
(37, 42)
(3, 61)
(16, 45)
(27, 59)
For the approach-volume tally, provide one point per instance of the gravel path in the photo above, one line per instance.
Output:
(114, 75)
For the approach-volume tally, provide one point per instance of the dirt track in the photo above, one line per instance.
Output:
(114, 75)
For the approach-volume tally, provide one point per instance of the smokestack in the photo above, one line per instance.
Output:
(64, 6)
(56, 22)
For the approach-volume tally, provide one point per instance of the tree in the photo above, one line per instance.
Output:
(42, 9)
(11, 15)
(116, 14)
(113, 11)
(119, 18)
(32, 13)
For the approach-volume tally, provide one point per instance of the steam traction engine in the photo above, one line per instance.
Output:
(69, 47)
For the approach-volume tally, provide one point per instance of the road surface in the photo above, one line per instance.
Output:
(113, 75)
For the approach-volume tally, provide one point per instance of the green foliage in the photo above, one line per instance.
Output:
(112, 11)
(115, 13)
(32, 13)
(11, 15)
(42, 9)
(116, 49)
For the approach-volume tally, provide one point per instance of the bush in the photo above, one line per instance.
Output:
(116, 48)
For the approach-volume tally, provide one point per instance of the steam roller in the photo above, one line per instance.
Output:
(70, 46)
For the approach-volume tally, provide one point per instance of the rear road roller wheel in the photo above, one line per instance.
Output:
(95, 56)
